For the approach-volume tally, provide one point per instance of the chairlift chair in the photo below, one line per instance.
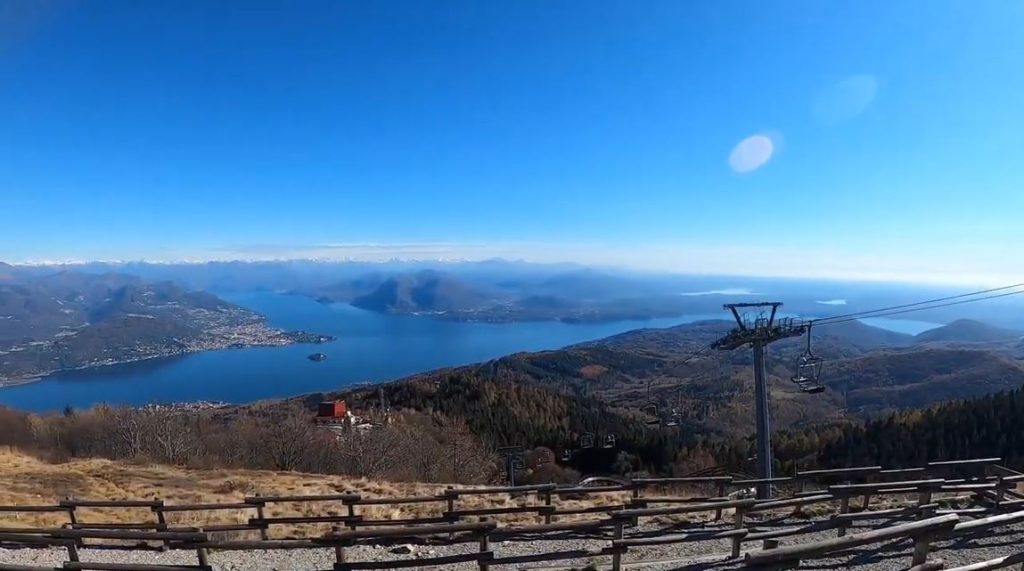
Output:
(675, 419)
(587, 440)
(652, 411)
(566, 455)
(609, 441)
(808, 369)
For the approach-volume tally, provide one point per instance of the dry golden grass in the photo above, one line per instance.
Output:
(26, 480)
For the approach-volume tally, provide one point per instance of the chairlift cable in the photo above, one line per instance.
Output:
(887, 313)
(867, 313)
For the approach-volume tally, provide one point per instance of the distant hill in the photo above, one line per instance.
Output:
(593, 285)
(347, 290)
(862, 336)
(840, 340)
(423, 291)
(919, 377)
(69, 320)
(546, 302)
(968, 331)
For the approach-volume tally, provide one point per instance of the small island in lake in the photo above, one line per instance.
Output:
(317, 357)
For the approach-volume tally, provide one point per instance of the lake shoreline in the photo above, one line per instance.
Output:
(296, 337)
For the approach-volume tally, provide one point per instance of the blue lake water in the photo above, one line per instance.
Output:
(370, 347)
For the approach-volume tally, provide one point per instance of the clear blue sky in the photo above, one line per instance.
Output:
(193, 128)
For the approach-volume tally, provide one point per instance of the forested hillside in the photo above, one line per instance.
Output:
(503, 412)
(992, 425)
(885, 380)
(987, 426)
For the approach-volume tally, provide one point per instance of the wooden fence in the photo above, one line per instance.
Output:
(619, 526)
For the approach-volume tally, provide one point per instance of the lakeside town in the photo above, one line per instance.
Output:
(37, 359)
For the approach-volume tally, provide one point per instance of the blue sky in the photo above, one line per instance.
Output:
(604, 132)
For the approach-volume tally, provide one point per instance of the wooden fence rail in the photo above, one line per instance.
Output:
(991, 564)
(920, 531)
(991, 487)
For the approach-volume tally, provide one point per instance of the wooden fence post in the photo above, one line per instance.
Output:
(922, 544)
(72, 551)
(339, 551)
(264, 532)
(485, 546)
(73, 520)
(844, 508)
(721, 494)
(1000, 496)
(351, 511)
(201, 555)
(450, 497)
(161, 519)
(617, 555)
(738, 524)
(799, 484)
(547, 502)
(924, 498)
(870, 478)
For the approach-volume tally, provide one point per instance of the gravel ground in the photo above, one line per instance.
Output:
(695, 555)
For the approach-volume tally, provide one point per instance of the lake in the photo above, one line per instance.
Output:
(370, 347)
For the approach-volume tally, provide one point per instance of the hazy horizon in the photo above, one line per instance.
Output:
(926, 279)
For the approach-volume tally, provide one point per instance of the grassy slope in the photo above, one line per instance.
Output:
(30, 481)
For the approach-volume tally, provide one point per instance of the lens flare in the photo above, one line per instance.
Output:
(751, 153)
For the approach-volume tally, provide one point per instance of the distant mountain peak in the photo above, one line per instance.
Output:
(426, 290)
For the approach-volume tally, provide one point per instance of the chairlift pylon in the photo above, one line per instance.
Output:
(808, 369)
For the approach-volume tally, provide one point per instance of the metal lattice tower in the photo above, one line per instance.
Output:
(759, 333)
